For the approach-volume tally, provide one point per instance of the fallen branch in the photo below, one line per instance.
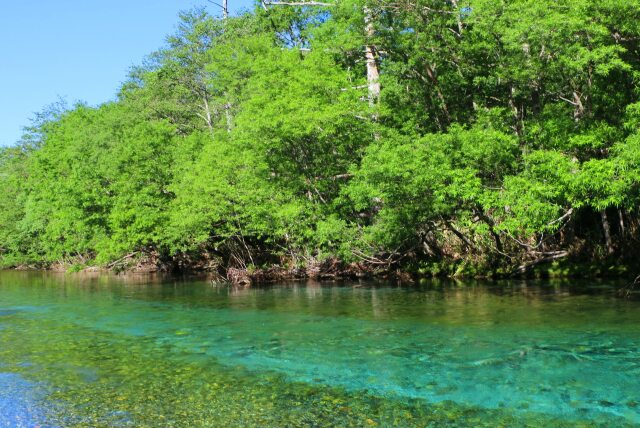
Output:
(627, 290)
(128, 256)
(548, 258)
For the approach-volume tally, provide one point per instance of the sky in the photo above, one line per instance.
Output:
(77, 50)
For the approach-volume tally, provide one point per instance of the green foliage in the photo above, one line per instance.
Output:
(414, 184)
(504, 133)
(533, 200)
(97, 186)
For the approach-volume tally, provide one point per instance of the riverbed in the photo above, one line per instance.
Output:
(106, 350)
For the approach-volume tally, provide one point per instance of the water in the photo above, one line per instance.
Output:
(142, 351)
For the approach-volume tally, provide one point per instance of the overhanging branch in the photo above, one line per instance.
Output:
(295, 3)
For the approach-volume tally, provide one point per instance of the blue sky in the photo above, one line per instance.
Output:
(76, 50)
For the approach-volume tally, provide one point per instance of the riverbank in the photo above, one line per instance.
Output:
(334, 269)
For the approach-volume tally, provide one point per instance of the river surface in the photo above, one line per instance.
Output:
(78, 350)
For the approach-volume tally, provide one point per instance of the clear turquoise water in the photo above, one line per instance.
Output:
(114, 351)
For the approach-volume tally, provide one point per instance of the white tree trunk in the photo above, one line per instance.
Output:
(207, 113)
(373, 74)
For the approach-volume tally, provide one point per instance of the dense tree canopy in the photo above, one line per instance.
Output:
(505, 133)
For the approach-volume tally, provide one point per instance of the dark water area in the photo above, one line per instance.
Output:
(78, 350)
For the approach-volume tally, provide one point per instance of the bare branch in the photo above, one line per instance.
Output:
(295, 3)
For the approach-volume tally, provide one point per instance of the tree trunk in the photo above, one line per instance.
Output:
(373, 74)
(517, 114)
(227, 114)
(431, 72)
(458, 18)
(207, 113)
(607, 231)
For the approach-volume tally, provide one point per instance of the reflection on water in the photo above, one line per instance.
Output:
(129, 350)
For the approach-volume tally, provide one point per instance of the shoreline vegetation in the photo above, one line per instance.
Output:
(349, 139)
(334, 269)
